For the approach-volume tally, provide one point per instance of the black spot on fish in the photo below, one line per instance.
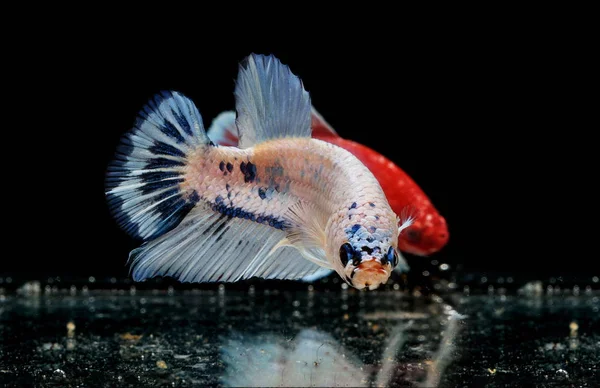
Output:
(376, 217)
(370, 239)
(261, 193)
(355, 228)
(218, 200)
(170, 130)
(372, 229)
(240, 213)
(227, 187)
(194, 197)
(161, 148)
(183, 123)
(222, 166)
(163, 163)
(372, 204)
(249, 171)
(353, 206)
(229, 167)
(367, 249)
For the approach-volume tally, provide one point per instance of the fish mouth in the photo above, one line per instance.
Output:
(369, 274)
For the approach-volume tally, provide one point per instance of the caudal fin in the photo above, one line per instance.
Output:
(144, 183)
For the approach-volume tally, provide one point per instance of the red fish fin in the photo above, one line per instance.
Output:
(320, 127)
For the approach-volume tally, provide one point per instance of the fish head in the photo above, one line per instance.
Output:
(427, 234)
(365, 266)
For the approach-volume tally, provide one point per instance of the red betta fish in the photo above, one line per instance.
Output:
(428, 232)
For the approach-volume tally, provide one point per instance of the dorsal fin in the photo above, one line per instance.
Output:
(270, 101)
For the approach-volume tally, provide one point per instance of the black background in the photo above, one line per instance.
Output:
(482, 119)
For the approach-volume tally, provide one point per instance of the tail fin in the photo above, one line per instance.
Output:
(143, 183)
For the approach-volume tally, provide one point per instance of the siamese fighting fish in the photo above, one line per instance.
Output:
(279, 205)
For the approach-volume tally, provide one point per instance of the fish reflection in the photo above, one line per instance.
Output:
(314, 358)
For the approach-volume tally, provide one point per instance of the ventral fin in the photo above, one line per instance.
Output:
(211, 247)
(270, 102)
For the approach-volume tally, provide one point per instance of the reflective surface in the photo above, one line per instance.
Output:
(302, 337)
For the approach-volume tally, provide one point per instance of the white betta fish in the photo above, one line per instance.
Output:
(281, 205)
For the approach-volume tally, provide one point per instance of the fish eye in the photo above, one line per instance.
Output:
(347, 253)
(392, 257)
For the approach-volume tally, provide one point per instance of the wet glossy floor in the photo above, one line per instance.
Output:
(144, 338)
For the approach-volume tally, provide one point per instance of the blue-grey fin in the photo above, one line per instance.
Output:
(143, 182)
(270, 101)
(402, 266)
(323, 272)
(211, 247)
(223, 130)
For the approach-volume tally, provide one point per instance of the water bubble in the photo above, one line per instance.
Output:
(509, 280)
(344, 286)
(311, 288)
(595, 279)
(483, 279)
(425, 273)
(113, 280)
(396, 286)
(434, 262)
(296, 303)
(91, 279)
(444, 267)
